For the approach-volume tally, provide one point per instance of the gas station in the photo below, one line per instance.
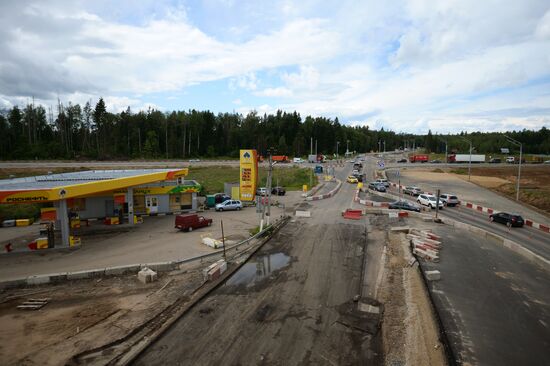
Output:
(109, 194)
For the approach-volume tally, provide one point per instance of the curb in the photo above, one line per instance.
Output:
(326, 195)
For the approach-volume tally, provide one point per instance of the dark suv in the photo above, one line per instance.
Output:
(279, 191)
(507, 219)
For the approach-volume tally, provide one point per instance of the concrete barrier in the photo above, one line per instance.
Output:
(303, 214)
(160, 266)
(118, 270)
(38, 280)
(352, 214)
(326, 195)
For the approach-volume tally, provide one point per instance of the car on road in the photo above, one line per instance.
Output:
(436, 161)
(546, 162)
(402, 160)
(279, 191)
(191, 221)
(352, 179)
(449, 200)
(429, 200)
(507, 219)
(510, 160)
(377, 187)
(383, 181)
(495, 161)
(230, 205)
(412, 191)
(298, 160)
(404, 205)
(262, 191)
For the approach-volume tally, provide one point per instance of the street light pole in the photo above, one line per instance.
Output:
(337, 143)
(515, 142)
(469, 162)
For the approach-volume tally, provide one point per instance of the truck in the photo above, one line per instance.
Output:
(465, 158)
(191, 221)
(280, 158)
(319, 158)
(418, 158)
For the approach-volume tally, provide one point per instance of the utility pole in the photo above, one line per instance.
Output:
(337, 143)
(223, 241)
(166, 138)
(315, 147)
(515, 142)
(311, 146)
(384, 146)
(269, 177)
(470, 161)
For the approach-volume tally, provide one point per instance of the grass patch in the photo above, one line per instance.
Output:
(437, 170)
(212, 178)
(460, 171)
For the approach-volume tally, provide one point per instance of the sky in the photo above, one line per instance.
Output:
(408, 66)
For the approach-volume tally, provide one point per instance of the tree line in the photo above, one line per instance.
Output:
(91, 132)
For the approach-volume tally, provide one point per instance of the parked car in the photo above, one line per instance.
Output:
(262, 191)
(495, 161)
(377, 187)
(383, 181)
(229, 205)
(318, 169)
(298, 160)
(402, 160)
(191, 221)
(546, 162)
(352, 179)
(355, 172)
(404, 205)
(449, 199)
(279, 191)
(436, 161)
(412, 191)
(510, 160)
(221, 197)
(194, 160)
(507, 219)
(429, 200)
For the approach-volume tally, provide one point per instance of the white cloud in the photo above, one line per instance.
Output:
(275, 92)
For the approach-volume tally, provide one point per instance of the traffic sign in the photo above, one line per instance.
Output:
(381, 164)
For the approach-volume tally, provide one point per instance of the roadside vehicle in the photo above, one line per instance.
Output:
(191, 221)
(507, 219)
(298, 160)
(377, 187)
(358, 166)
(429, 200)
(194, 160)
(436, 161)
(449, 199)
(412, 191)
(280, 158)
(465, 158)
(262, 191)
(213, 199)
(229, 205)
(318, 169)
(419, 158)
(354, 172)
(495, 161)
(510, 160)
(402, 160)
(403, 205)
(279, 191)
(361, 178)
(319, 158)
(352, 179)
(546, 162)
(383, 181)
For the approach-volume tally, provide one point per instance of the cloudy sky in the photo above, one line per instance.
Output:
(453, 65)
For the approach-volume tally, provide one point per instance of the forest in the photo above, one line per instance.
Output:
(91, 132)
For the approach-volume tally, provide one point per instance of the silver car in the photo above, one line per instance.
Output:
(229, 205)
(449, 199)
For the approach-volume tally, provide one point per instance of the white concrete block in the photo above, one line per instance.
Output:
(433, 275)
(303, 213)
(117, 270)
(38, 280)
(147, 275)
(159, 266)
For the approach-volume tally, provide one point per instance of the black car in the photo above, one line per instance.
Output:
(495, 161)
(436, 161)
(402, 160)
(507, 219)
(403, 205)
(279, 191)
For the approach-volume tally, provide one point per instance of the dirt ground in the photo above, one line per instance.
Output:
(83, 314)
(534, 183)
(409, 329)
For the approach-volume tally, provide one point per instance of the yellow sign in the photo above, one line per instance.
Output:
(248, 174)
(304, 188)
(359, 185)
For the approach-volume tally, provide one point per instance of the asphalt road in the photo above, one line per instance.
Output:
(291, 303)
(495, 306)
(533, 239)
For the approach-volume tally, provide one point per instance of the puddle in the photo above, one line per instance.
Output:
(258, 268)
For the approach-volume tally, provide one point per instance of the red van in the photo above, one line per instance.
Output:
(191, 221)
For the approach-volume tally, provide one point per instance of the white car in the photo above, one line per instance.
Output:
(429, 200)
(298, 161)
(449, 199)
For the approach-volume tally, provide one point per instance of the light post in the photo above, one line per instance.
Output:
(337, 143)
(470, 161)
(384, 142)
(347, 146)
(446, 157)
(515, 142)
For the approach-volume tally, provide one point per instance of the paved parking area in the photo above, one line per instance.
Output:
(155, 240)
